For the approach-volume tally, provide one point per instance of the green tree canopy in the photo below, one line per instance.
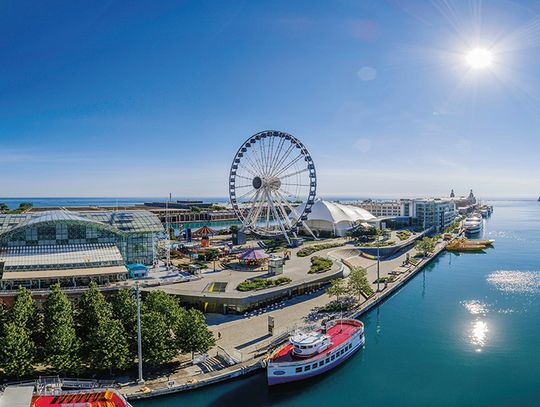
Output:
(337, 288)
(108, 347)
(17, 350)
(61, 347)
(358, 283)
(158, 343)
(426, 245)
(125, 309)
(24, 310)
(104, 338)
(193, 334)
(92, 308)
(166, 305)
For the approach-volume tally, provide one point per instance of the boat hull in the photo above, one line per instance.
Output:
(280, 373)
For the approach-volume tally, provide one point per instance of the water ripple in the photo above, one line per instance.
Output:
(513, 281)
(475, 307)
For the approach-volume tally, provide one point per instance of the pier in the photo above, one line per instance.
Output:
(249, 353)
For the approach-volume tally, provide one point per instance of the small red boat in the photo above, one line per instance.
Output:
(310, 354)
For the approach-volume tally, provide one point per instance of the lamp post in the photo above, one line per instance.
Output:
(139, 339)
(378, 262)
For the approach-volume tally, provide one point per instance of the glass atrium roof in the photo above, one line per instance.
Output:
(123, 222)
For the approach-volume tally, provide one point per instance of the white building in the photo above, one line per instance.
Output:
(335, 218)
(423, 212)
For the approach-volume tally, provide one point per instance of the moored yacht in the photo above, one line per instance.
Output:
(473, 224)
(310, 354)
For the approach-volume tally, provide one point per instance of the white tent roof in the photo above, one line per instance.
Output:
(335, 212)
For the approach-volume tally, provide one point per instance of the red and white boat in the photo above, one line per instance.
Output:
(310, 354)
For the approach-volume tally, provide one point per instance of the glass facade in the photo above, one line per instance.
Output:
(133, 232)
(434, 213)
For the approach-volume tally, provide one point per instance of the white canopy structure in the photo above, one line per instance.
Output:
(335, 218)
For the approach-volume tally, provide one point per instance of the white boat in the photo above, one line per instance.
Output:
(313, 353)
(473, 224)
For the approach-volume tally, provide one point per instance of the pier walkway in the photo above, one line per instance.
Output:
(247, 341)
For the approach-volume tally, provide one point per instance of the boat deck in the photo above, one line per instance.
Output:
(96, 398)
(339, 333)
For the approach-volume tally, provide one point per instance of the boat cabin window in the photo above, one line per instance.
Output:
(327, 360)
(298, 369)
(333, 357)
(306, 368)
(321, 363)
(314, 365)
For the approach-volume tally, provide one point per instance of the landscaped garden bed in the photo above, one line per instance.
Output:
(320, 265)
(261, 283)
(309, 250)
(403, 234)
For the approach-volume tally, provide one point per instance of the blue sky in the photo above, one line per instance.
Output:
(110, 98)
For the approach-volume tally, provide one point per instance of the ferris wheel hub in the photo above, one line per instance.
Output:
(267, 183)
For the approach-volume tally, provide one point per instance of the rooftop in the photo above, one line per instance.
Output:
(122, 221)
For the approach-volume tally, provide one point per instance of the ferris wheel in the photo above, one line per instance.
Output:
(272, 184)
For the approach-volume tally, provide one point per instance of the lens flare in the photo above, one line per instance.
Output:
(479, 58)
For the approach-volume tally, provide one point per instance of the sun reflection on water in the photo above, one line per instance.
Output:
(475, 307)
(478, 334)
(512, 281)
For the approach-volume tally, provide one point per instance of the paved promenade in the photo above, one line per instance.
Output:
(247, 339)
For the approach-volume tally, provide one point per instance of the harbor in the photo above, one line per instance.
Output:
(480, 293)
(270, 204)
(254, 330)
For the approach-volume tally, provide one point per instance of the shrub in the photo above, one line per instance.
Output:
(320, 264)
(378, 244)
(336, 306)
(260, 283)
(403, 234)
(309, 250)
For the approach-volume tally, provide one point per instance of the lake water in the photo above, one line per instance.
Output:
(463, 332)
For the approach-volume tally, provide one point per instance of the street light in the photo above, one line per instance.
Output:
(139, 339)
(378, 261)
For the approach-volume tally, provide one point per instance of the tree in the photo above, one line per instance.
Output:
(166, 305)
(425, 245)
(24, 311)
(337, 288)
(193, 334)
(158, 343)
(91, 310)
(362, 231)
(125, 310)
(17, 351)
(3, 315)
(358, 283)
(104, 338)
(108, 347)
(3, 207)
(61, 347)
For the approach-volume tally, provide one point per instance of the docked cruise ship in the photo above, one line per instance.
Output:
(473, 224)
(313, 353)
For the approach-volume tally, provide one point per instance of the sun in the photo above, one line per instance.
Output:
(479, 58)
